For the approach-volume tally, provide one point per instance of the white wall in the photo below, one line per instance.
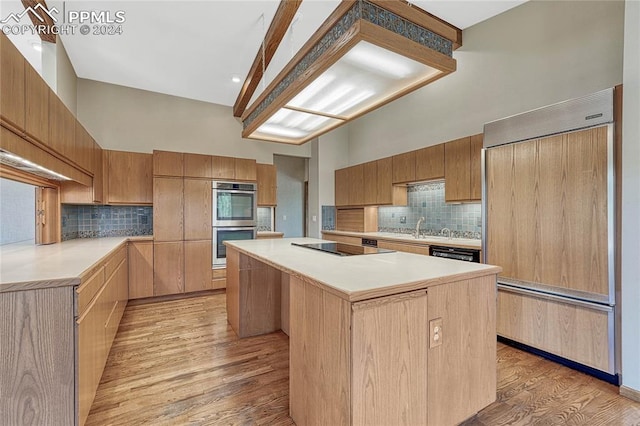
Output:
(328, 153)
(533, 55)
(66, 78)
(631, 200)
(126, 119)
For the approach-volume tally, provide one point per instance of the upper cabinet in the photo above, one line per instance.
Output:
(129, 177)
(12, 91)
(167, 163)
(342, 187)
(267, 186)
(245, 169)
(37, 106)
(430, 163)
(462, 159)
(223, 167)
(368, 184)
(370, 178)
(404, 167)
(197, 166)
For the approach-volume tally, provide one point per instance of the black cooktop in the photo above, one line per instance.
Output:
(342, 249)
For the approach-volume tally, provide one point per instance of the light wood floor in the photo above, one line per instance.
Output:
(179, 363)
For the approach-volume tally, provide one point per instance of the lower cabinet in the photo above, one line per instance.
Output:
(197, 266)
(219, 278)
(140, 269)
(405, 247)
(168, 268)
(98, 324)
(342, 239)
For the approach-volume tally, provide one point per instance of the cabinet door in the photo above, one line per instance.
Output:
(384, 194)
(197, 165)
(140, 269)
(37, 106)
(197, 210)
(56, 124)
(342, 187)
(12, 91)
(91, 340)
(223, 167)
(98, 174)
(267, 188)
(370, 177)
(356, 185)
(219, 278)
(168, 202)
(457, 156)
(168, 268)
(245, 169)
(430, 163)
(84, 148)
(389, 359)
(408, 248)
(197, 265)
(404, 167)
(130, 177)
(476, 172)
(166, 163)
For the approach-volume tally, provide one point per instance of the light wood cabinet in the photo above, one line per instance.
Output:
(197, 210)
(342, 187)
(342, 239)
(357, 219)
(197, 166)
(430, 163)
(267, 186)
(404, 167)
(197, 265)
(218, 278)
(245, 169)
(129, 178)
(356, 185)
(168, 268)
(387, 192)
(12, 79)
(168, 204)
(61, 128)
(457, 170)
(98, 182)
(140, 269)
(405, 247)
(83, 151)
(168, 163)
(223, 167)
(476, 166)
(37, 106)
(370, 183)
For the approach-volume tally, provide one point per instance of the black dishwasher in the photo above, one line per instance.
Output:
(467, 255)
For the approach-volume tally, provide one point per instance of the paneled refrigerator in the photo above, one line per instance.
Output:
(549, 221)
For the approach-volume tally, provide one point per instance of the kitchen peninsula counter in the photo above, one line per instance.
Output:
(389, 338)
(28, 266)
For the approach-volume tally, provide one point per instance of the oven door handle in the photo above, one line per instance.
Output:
(233, 191)
(234, 228)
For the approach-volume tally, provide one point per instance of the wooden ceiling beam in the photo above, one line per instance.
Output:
(47, 21)
(276, 32)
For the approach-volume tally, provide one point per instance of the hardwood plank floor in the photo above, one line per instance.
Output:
(179, 363)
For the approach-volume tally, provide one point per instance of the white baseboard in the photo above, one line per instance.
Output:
(630, 393)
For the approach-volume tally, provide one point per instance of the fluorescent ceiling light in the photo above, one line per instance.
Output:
(366, 54)
(20, 163)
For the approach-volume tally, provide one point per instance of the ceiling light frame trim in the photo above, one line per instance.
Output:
(401, 28)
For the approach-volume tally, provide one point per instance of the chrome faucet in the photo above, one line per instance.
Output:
(448, 232)
(422, 219)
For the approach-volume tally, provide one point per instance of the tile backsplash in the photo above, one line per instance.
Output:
(427, 200)
(82, 221)
(265, 216)
(328, 218)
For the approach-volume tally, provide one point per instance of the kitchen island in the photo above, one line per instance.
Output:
(390, 338)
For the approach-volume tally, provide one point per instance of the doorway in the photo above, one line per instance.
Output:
(290, 212)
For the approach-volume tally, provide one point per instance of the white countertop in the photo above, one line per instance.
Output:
(405, 238)
(360, 277)
(28, 266)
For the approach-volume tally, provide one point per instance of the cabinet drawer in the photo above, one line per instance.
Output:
(218, 273)
(407, 248)
(115, 260)
(89, 288)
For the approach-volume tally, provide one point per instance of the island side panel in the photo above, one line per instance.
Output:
(37, 357)
(233, 288)
(462, 370)
(390, 342)
(260, 295)
(320, 354)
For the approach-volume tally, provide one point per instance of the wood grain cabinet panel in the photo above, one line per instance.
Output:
(223, 167)
(476, 166)
(140, 269)
(342, 187)
(430, 163)
(457, 156)
(168, 268)
(387, 192)
(37, 106)
(197, 209)
(356, 185)
(130, 178)
(99, 182)
(12, 79)
(56, 124)
(84, 148)
(408, 248)
(370, 183)
(245, 169)
(168, 203)
(167, 163)
(404, 167)
(267, 185)
(218, 278)
(197, 265)
(197, 166)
